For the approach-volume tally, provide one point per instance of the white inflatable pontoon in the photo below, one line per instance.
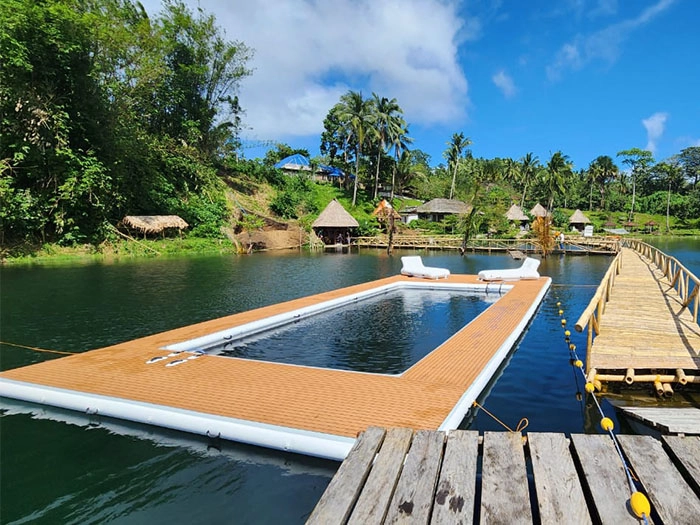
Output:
(413, 267)
(528, 270)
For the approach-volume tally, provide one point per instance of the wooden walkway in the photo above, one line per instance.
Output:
(645, 326)
(283, 406)
(434, 477)
(668, 420)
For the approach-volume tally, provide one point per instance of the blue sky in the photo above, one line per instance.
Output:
(587, 77)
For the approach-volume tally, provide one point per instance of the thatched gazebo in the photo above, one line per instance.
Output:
(539, 211)
(153, 224)
(436, 209)
(516, 215)
(578, 221)
(650, 225)
(334, 224)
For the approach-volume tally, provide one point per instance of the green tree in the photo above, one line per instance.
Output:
(387, 123)
(455, 150)
(554, 175)
(399, 141)
(639, 161)
(689, 158)
(356, 113)
(602, 171)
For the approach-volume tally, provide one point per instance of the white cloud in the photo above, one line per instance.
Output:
(602, 45)
(655, 129)
(504, 83)
(309, 52)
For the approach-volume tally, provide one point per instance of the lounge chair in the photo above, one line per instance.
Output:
(528, 270)
(413, 267)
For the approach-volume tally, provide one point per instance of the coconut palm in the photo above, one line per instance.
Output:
(387, 118)
(529, 168)
(398, 135)
(454, 153)
(356, 112)
(601, 172)
(555, 173)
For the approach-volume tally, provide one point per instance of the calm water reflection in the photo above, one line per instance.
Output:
(60, 467)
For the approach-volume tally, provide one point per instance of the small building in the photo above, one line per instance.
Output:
(153, 224)
(516, 216)
(437, 209)
(294, 163)
(578, 221)
(334, 225)
(539, 211)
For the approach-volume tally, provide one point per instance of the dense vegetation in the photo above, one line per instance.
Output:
(106, 111)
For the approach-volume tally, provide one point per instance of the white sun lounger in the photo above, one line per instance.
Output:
(413, 267)
(528, 270)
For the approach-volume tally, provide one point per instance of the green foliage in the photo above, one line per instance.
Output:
(560, 219)
(294, 198)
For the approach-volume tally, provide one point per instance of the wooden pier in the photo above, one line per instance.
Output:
(643, 322)
(459, 477)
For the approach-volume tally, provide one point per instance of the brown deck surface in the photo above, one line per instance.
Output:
(322, 400)
(644, 324)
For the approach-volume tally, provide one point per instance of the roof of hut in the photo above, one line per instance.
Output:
(154, 223)
(539, 211)
(579, 218)
(384, 210)
(443, 206)
(516, 214)
(335, 216)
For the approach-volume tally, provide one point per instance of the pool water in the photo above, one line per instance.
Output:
(385, 334)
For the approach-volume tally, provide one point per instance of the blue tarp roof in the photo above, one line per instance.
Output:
(331, 171)
(293, 161)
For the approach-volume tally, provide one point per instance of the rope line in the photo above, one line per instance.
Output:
(522, 424)
(607, 425)
(37, 349)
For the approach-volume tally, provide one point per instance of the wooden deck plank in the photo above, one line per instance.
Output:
(667, 419)
(560, 497)
(686, 450)
(605, 478)
(456, 490)
(505, 497)
(373, 503)
(671, 496)
(413, 498)
(343, 490)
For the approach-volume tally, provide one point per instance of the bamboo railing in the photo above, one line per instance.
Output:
(681, 279)
(596, 308)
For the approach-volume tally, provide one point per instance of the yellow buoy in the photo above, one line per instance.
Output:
(558, 304)
(640, 505)
(563, 322)
(590, 388)
(607, 424)
(578, 363)
(567, 333)
(561, 312)
(572, 347)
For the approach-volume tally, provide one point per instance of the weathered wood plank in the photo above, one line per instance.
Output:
(559, 494)
(455, 494)
(337, 501)
(505, 495)
(374, 501)
(666, 419)
(413, 498)
(671, 496)
(686, 449)
(605, 477)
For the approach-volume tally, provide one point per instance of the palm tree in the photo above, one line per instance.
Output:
(638, 160)
(387, 117)
(454, 153)
(398, 135)
(553, 176)
(529, 168)
(356, 113)
(602, 171)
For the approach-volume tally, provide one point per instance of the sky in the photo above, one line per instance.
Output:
(584, 77)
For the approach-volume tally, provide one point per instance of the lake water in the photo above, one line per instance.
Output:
(63, 467)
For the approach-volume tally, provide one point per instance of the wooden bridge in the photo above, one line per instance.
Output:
(643, 322)
(460, 477)
(573, 244)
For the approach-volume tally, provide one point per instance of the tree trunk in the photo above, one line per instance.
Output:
(376, 176)
(454, 178)
(390, 245)
(668, 207)
(522, 200)
(590, 199)
(357, 176)
(393, 181)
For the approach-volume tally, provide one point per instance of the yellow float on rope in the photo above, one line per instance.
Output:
(640, 505)
(607, 424)
(578, 363)
(590, 388)
(558, 304)
(572, 347)
(561, 312)
(567, 333)
(563, 322)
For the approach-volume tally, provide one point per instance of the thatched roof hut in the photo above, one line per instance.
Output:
(153, 223)
(579, 218)
(516, 214)
(437, 209)
(539, 211)
(335, 216)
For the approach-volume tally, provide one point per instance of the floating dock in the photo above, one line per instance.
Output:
(459, 477)
(307, 410)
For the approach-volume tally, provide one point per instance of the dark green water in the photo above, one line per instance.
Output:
(63, 467)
